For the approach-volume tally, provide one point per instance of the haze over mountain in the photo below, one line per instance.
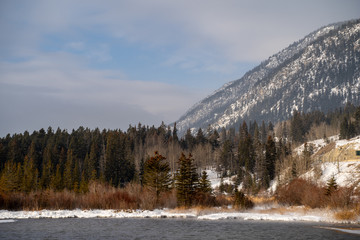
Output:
(319, 72)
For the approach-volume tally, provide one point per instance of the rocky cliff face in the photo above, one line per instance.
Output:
(319, 72)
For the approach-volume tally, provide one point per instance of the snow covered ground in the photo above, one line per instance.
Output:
(345, 172)
(291, 214)
(215, 178)
(319, 143)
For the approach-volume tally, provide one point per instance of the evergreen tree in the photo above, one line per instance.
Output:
(157, 174)
(119, 168)
(10, 179)
(186, 180)
(189, 140)
(204, 183)
(246, 150)
(30, 177)
(344, 129)
(297, 127)
(47, 170)
(56, 179)
(200, 138)
(270, 158)
(174, 134)
(68, 172)
(331, 186)
(227, 157)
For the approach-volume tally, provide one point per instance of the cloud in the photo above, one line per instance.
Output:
(60, 61)
(58, 89)
(231, 31)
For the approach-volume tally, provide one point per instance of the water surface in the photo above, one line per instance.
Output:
(109, 228)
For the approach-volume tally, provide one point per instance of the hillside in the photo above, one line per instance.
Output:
(336, 159)
(319, 72)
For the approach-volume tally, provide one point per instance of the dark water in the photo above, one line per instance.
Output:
(165, 229)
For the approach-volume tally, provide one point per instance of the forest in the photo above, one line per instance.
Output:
(148, 167)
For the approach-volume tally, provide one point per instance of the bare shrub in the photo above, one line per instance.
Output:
(204, 199)
(340, 198)
(300, 192)
(223, 200)
(168, 199)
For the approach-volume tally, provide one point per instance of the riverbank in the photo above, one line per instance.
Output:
(271, 214)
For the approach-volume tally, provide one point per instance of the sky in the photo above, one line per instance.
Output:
(111, 64)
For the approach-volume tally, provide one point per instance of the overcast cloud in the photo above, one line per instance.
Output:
(109, 64)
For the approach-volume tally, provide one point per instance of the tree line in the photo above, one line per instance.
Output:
(255, 153)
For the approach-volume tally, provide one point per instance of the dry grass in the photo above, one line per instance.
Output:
(100, 196)
(285, 210)
(346, 215)
(258, 200)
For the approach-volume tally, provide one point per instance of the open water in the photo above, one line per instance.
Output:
(100, 228)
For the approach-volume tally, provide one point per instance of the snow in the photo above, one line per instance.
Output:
(263, 216)
(215, 179)
(298, 214)
(346, 173)
(4, 214)
(317, 144)
(353, 231)
(7, 221)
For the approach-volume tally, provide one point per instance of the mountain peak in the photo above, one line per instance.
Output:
(318, 72)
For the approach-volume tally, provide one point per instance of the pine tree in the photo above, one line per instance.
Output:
(68, 172)
(56, 179)
(174, 134)
(246, 149)
(227, 159)
(189, 140)
(10, 179)
(204, 183)
(46, 172)
(186, 180)
(157, 174)
(200, 138)
(344, 129)
(30, 176)
(297, 127)
(270, 158)
(119, 168)
(331, 186)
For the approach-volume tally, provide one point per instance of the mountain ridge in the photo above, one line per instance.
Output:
(258, 94)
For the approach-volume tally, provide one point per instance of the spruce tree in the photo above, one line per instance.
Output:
(270, 158)
(204, 183)
(30, 176)
(157, 174)
(331, 186)
(186, 180)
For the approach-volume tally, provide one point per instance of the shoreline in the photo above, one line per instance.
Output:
(286, 215)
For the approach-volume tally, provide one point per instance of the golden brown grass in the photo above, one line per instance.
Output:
(259, 200)
(346, 215)
(100, 196)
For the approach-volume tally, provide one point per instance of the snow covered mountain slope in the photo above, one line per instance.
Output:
(336, 158)
(319, 72)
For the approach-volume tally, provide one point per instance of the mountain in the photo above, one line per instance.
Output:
(318, 72)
